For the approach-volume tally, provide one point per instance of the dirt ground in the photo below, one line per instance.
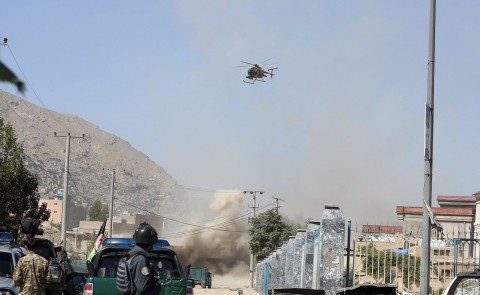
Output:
(227, 285)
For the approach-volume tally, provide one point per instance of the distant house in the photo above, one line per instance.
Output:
(123, 227)
(456, 214)
(55, 207)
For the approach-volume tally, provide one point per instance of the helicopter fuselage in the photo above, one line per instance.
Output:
(256, 72)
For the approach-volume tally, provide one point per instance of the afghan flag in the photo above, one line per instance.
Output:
(98, 242)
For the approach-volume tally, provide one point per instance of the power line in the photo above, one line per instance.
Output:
(191, 188)
(168, 218)
(33, 89)
(243, 217)
(207, 229)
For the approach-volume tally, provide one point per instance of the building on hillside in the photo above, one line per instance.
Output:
(55, 207)
(77, 210)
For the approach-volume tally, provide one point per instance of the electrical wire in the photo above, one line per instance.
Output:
(41, 102)
(191, 188)
(242, 217)
(221, 225)
(33, 89)
(227, 223)
(168, 218)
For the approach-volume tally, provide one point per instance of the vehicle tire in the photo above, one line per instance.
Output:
(209, 286)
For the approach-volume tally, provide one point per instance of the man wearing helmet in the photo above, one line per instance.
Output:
(142, 273)
(28, 226)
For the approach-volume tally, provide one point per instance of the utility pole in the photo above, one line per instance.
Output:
(277, 199)
(65, 187)
(254, 206)
(110, 212)
(428, 158)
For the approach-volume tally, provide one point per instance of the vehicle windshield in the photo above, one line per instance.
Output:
(6, 264)
(468, 286)
(45, 251)
(109, 263)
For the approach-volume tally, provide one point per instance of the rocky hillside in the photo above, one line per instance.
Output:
(138, 180)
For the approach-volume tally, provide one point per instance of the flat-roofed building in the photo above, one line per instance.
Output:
(456, 214)
(55, 207)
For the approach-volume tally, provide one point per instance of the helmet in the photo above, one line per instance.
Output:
(145, 234)
(28, 213)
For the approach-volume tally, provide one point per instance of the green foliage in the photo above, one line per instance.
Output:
(17, 185)
(7, 75)
(267, 232)
(98, 211)
(387, 263)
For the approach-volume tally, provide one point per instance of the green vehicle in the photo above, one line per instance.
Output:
(201, 276)
(102, 269)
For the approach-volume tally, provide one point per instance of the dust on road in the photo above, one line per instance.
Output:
(227, 285)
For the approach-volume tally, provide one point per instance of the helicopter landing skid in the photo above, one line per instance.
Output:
(253, 81)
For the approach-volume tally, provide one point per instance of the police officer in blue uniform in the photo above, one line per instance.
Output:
(143, 273)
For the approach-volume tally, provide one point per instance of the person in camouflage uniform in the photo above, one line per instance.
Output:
(32, 272)
(28, 227)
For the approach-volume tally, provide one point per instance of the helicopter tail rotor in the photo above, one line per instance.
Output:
(270, 72)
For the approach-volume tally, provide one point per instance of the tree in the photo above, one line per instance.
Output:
(383, 263)
(267, 232)
(18, 187)
(98, 211)
(8, 76)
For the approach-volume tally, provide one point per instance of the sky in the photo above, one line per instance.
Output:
(342, 121)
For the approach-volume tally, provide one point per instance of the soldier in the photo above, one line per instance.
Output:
(28, 226)
(142, 273)
(32, 272)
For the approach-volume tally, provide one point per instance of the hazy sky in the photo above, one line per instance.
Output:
(342, 122)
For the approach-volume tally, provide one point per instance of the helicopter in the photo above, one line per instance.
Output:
(257, 73)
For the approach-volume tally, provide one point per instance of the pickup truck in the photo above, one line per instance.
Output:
(102, 269)
(201, 276)
(465, 283)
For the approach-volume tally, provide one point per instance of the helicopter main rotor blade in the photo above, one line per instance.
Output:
(263, 62)
(247, 63)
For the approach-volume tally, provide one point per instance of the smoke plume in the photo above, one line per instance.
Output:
(222, 244)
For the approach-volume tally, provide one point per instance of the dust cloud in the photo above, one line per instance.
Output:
(222, 243)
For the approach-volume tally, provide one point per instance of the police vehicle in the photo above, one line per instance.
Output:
(103, 268)
(9, 256)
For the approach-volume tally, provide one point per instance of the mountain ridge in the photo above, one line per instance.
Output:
(138, 179)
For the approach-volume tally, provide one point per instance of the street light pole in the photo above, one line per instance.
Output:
(254, 206)
(428, 158)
